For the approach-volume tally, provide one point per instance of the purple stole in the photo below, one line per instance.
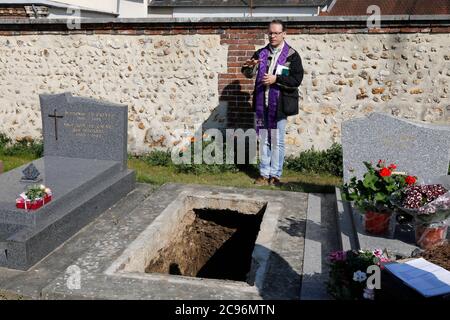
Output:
(274, 91)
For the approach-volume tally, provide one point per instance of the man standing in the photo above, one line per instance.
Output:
(279, 73)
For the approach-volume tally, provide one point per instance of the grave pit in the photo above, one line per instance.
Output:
(206, 241)
(201, 238)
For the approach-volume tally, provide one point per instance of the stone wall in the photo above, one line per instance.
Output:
(176, 79)
(169, 83)
(350, 75)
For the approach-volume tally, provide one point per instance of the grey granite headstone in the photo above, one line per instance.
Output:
(85, 165)
(419, 149)
(85, 128)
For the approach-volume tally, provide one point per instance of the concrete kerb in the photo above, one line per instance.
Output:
(346, 228)
(317, 247)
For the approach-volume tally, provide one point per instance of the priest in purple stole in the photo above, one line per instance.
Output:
(279, 72)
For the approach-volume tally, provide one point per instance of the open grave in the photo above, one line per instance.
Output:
(215, 239)
(122, 242)
(205, 241)
(111, 257)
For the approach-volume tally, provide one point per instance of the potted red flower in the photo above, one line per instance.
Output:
(34, 198)
(371, 195)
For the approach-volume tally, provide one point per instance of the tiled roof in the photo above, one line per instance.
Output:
(48, 3)
(34, 2)
(389, 7)
(13, 12)
(237, 3)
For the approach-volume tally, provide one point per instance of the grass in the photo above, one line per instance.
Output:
(11, 162)
(293, 181)
(158, 175)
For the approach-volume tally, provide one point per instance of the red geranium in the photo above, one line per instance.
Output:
(410, 180)
(392, 166)
(385, 172)
(372, 193)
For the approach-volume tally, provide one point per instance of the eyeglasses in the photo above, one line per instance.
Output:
(274, 33)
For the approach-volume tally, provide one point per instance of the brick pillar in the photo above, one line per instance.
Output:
(234, 88)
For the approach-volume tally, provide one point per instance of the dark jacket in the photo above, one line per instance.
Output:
(288, 101)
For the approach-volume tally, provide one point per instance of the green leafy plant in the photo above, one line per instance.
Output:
(202, 168)
(158, 158)
(318, 162)
(334, 160)
(373, 192)
(311, 161)
(35, 192)
(4, 141)
(22, 147)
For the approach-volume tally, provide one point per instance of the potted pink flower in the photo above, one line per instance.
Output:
(348, 277)
(429, 204)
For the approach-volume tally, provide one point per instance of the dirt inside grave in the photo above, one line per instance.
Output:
(210, 243)
(439, 255)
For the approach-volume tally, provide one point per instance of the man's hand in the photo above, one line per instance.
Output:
(250, 63)
(269, 79)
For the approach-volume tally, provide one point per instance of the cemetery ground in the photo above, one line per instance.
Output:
(153, 239)
(157, 188)
(157, 175)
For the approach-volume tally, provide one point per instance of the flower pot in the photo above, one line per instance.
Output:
(30, 205)
(431, 235)
(23, 204)
(47, 198)
(378, 223)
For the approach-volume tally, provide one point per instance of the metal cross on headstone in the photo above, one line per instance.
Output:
(56, 117)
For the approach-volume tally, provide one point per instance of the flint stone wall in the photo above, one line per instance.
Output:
(175, 82)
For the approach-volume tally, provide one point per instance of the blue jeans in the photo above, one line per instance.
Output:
(271, 151)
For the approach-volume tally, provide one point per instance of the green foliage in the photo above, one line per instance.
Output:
(158, 158)
(34, 148)
(203, 168)
(35, 192)
(374, 190)
(327, 162)
(164, 159)
(334, 160)
(319, 162)
(4, 141)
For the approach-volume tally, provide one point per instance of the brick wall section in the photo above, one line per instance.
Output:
(233, 86)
